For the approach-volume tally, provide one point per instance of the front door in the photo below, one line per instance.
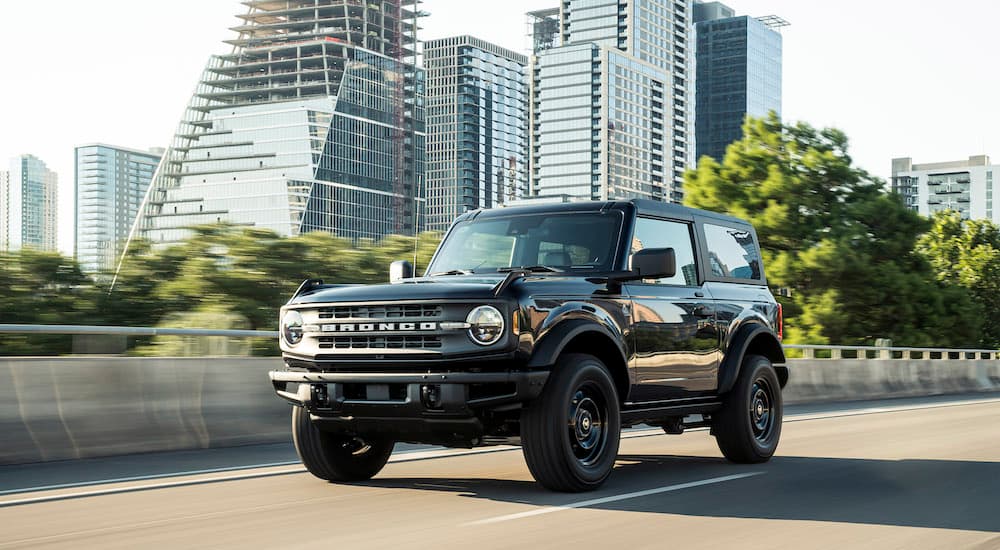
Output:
(675, 338)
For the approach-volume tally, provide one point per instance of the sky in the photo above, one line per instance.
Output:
(901, 78)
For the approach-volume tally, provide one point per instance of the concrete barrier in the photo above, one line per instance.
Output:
(70, 408)
(828, 380)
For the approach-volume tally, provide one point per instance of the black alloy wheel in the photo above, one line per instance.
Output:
(748, 427)
(570, 433)
(588, 417)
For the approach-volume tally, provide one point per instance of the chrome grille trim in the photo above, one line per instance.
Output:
(380, 342)
(382, 311)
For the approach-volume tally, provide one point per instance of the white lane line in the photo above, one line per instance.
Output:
(404, 456)
(136, 488)
(407, 456)
(146, 477)
(613, 498)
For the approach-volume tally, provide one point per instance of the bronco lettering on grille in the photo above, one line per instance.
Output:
(378, 327)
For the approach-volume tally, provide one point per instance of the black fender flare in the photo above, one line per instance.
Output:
(729, 370)
(552, 344)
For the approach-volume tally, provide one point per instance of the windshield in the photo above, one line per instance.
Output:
(577, 241)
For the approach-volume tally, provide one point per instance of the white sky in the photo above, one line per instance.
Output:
(902, 78)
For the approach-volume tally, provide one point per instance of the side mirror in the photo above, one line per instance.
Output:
(653, 263)
(400, 270)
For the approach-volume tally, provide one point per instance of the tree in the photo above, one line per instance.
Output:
(967, 254)
(833, 237)
(42, 288)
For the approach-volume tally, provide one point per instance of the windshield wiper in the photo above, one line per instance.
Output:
(543, 268)
(452, 272)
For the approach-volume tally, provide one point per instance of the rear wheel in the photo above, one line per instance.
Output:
(336, 457)
(748, 427)
(570, 433)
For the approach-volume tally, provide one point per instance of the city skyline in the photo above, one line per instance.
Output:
(866, 84)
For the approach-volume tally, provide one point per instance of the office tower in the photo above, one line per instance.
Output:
(612, 108)
(28, 205)
(110, 185)
(965, 186)
(739, 74)
(476, 127)
(314, 122)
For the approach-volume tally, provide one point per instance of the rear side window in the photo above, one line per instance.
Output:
(732, 253)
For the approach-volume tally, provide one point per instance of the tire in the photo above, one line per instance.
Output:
(570, 433)
(748, 427)
(335, 457)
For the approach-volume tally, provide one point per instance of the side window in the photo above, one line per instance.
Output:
(650, 233)
(732, 252)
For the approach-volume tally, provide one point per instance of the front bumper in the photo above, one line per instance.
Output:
(435, 408)
(406, 394)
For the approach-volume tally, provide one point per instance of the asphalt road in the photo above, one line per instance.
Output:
(897, 474)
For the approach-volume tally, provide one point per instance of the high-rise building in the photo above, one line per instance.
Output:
(476, 118)
(110, 185)
(739, 74)
(314, 122)
(28, 205)
(965, 186)
(612, 108)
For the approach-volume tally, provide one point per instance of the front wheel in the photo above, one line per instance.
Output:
(748, 427)
(570, 433)
(336, 457)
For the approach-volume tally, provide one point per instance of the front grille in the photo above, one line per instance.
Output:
(380, 342)
(413, 311)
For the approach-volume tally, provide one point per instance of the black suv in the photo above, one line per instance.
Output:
(548, 326)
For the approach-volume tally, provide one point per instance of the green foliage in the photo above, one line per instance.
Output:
(240, 276)
(833, 237)
(967, 254)
(29, 279)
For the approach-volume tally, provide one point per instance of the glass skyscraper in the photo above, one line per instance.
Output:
(110, 185)
(28, 205)
(739, 74)
(314, 122)
(476, 119)
(612, 108)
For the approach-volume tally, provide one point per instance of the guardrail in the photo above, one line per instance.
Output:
(891, 352)
(133, 331)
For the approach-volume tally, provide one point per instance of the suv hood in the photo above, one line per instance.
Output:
(455, 287)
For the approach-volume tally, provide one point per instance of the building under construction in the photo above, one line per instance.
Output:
(314, 122)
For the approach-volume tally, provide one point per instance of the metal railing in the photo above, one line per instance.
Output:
(133, 331)
(890, 352)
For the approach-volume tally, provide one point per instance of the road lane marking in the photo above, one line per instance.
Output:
(404, 456)
(416, 455)
(613, 498)
(147, 477)
(147, 487)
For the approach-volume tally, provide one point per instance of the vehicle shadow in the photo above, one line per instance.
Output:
(945, 494)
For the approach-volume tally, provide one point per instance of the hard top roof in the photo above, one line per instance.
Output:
(644, 206)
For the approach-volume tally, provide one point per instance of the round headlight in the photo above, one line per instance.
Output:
(486, 325)
(291, 327)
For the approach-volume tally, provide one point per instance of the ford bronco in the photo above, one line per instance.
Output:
(548, 326)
